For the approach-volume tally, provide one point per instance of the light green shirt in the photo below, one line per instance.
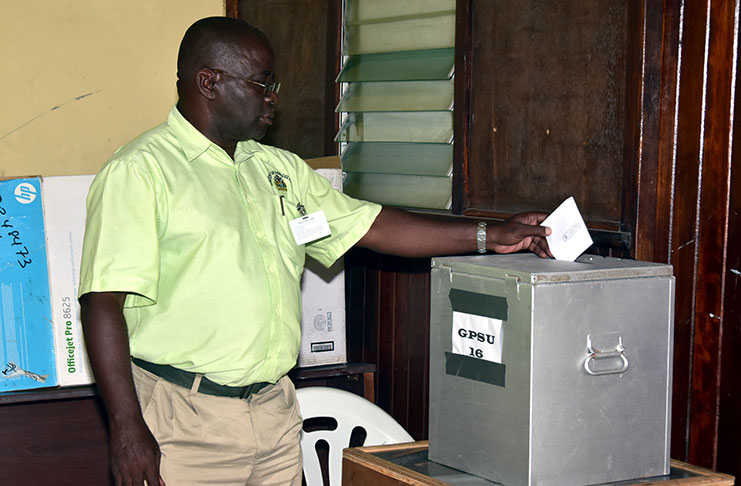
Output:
(202, 245)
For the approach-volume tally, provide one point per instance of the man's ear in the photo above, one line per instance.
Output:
(205, 83)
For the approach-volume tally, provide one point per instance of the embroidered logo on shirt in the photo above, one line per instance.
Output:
(279, 180)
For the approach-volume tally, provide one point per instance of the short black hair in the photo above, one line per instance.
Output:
(209, 39)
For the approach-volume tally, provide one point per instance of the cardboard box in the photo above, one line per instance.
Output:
(64, 209)
(323, 319)
(323, 338)
(27, 342)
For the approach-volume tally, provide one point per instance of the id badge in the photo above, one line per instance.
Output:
(310, 227)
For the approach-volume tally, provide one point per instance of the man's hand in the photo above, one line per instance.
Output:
(135, 455)
(520, 232)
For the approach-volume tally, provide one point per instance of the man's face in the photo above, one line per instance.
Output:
(244, 110)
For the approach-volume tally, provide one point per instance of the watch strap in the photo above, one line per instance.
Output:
(481, 238)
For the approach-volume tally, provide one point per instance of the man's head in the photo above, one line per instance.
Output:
(221, 64)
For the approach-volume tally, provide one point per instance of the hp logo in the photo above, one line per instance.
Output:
(25, 193)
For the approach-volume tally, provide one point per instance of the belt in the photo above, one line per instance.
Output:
(186, 378)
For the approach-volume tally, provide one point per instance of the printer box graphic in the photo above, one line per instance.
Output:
(27, 340)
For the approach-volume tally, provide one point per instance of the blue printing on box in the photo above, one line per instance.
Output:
(27, 339)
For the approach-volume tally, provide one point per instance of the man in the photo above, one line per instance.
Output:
(190, 266)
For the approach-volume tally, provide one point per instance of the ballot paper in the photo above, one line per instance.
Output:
(569, 236)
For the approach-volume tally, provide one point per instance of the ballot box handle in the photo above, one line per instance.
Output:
(615, 357)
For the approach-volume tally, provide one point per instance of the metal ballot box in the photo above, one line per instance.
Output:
(546, 372)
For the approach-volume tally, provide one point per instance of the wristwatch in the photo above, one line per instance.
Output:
(481, 238)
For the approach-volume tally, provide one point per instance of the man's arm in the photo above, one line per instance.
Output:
(407, 234)
(135, 454)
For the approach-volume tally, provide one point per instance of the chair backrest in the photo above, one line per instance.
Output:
(350, 411)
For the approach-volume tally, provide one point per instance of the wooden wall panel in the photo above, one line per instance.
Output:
(654, 225)
(712, 234)
(383, 355)
(692, 192)
(547, 112)
(305, 38)
(60, 442)
(388, 324)
(684, 221)
(462, 99)
(653, 230)
(635, 61)
(418, 351)
(650, 85)
(729, 423)
(398, 345)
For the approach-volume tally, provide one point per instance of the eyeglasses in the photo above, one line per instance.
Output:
(266, 87)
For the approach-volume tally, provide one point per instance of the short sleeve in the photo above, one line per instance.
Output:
(121, 245)
(349, 218)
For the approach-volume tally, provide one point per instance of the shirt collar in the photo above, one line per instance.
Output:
(195, 143)
(246, 149)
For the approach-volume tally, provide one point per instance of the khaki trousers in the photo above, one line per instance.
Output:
(213, 440)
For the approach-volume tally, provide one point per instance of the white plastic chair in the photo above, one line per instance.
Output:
(350, 411)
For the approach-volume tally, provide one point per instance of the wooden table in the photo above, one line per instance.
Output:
(407, 464)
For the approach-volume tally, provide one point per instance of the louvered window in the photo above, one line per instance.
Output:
(396, 131)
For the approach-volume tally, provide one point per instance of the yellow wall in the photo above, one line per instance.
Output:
(79, 78)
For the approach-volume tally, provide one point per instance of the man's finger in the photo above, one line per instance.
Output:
(153, 476)
(534, 231)
(539, 246)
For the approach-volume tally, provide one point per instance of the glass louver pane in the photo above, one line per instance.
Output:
(375, 10)
(398, 96)
(399, 66)
(435, 159)
(414, 126)
(400, 35)
(412, 191)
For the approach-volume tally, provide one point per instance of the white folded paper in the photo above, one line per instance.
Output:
(569, 236)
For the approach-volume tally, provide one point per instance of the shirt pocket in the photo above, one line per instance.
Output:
(292, 253)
